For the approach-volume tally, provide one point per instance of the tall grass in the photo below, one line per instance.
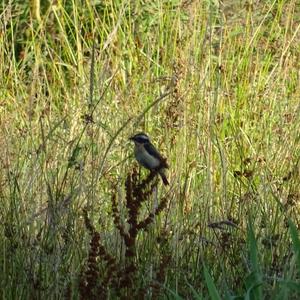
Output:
(216, 86)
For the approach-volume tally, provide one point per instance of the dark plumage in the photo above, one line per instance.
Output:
(148, 156)
(140, 138)
(152, 151)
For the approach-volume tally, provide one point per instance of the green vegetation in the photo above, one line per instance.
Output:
(216, 86)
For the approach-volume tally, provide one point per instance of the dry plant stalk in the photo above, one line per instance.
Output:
(120, 276)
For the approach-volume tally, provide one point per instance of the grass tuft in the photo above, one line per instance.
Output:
(215, 84)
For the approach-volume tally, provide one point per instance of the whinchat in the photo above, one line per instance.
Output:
(147, 155)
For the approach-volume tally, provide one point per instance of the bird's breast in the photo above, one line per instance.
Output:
(144, 158)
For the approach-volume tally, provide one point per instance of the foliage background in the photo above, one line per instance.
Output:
(226, 79)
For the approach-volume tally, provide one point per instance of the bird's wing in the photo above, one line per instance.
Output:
(152, 151)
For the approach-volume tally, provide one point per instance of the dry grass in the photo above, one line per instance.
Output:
(216, 86)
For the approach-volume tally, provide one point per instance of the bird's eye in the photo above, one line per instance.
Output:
(142, 139)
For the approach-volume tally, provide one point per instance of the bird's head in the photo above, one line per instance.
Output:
(140, 138)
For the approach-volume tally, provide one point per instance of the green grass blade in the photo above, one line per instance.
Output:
(213, 292)
(296, 242)
(254, 280)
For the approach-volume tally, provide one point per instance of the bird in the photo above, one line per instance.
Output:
(148, 156)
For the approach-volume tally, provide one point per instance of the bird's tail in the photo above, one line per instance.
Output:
(163, 177)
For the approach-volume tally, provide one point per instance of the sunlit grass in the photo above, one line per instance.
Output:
(225, 78)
